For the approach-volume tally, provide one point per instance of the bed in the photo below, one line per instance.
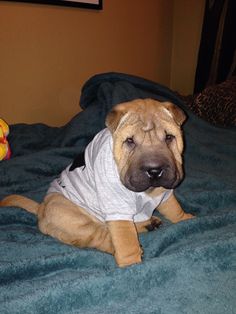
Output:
(189, 267)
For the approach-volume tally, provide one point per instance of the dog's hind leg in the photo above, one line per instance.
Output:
(71, 224)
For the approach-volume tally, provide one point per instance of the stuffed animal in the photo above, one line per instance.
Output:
(5, 152)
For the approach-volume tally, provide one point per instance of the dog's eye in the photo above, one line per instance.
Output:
(169, 138)
(130, 141)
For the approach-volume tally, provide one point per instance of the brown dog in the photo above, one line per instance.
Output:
(131, 168)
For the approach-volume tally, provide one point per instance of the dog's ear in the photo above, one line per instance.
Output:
(177, 113)
(114, 117)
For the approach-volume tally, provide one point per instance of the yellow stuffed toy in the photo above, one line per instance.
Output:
(5, 152)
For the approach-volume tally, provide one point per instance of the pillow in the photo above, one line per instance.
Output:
(216, 103)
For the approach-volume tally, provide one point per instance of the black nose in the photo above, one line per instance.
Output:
(155, 173)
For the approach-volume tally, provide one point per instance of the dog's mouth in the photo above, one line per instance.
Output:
(144, 179)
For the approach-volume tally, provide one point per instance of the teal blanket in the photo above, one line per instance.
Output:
(189, 267)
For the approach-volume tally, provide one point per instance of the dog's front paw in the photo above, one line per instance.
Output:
(187, 216)
(124, 261)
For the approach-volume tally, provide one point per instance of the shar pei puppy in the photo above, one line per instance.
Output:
(130, 169)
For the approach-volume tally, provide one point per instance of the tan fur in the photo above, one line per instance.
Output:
(71, 224)
(20, 201)
(148, 120)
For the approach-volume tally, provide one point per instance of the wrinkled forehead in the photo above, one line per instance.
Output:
(156, 117)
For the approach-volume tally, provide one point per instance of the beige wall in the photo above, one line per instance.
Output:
(48, 52)
(187, 26)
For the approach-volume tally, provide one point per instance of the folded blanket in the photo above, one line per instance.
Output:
(189, 267)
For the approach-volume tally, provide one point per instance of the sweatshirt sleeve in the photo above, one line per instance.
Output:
(115, 201)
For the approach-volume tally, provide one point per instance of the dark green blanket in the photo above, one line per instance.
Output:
(189, 267)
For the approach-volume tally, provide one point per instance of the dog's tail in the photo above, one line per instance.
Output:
(20, 201)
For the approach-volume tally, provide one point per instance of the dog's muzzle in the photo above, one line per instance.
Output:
(155, 172)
